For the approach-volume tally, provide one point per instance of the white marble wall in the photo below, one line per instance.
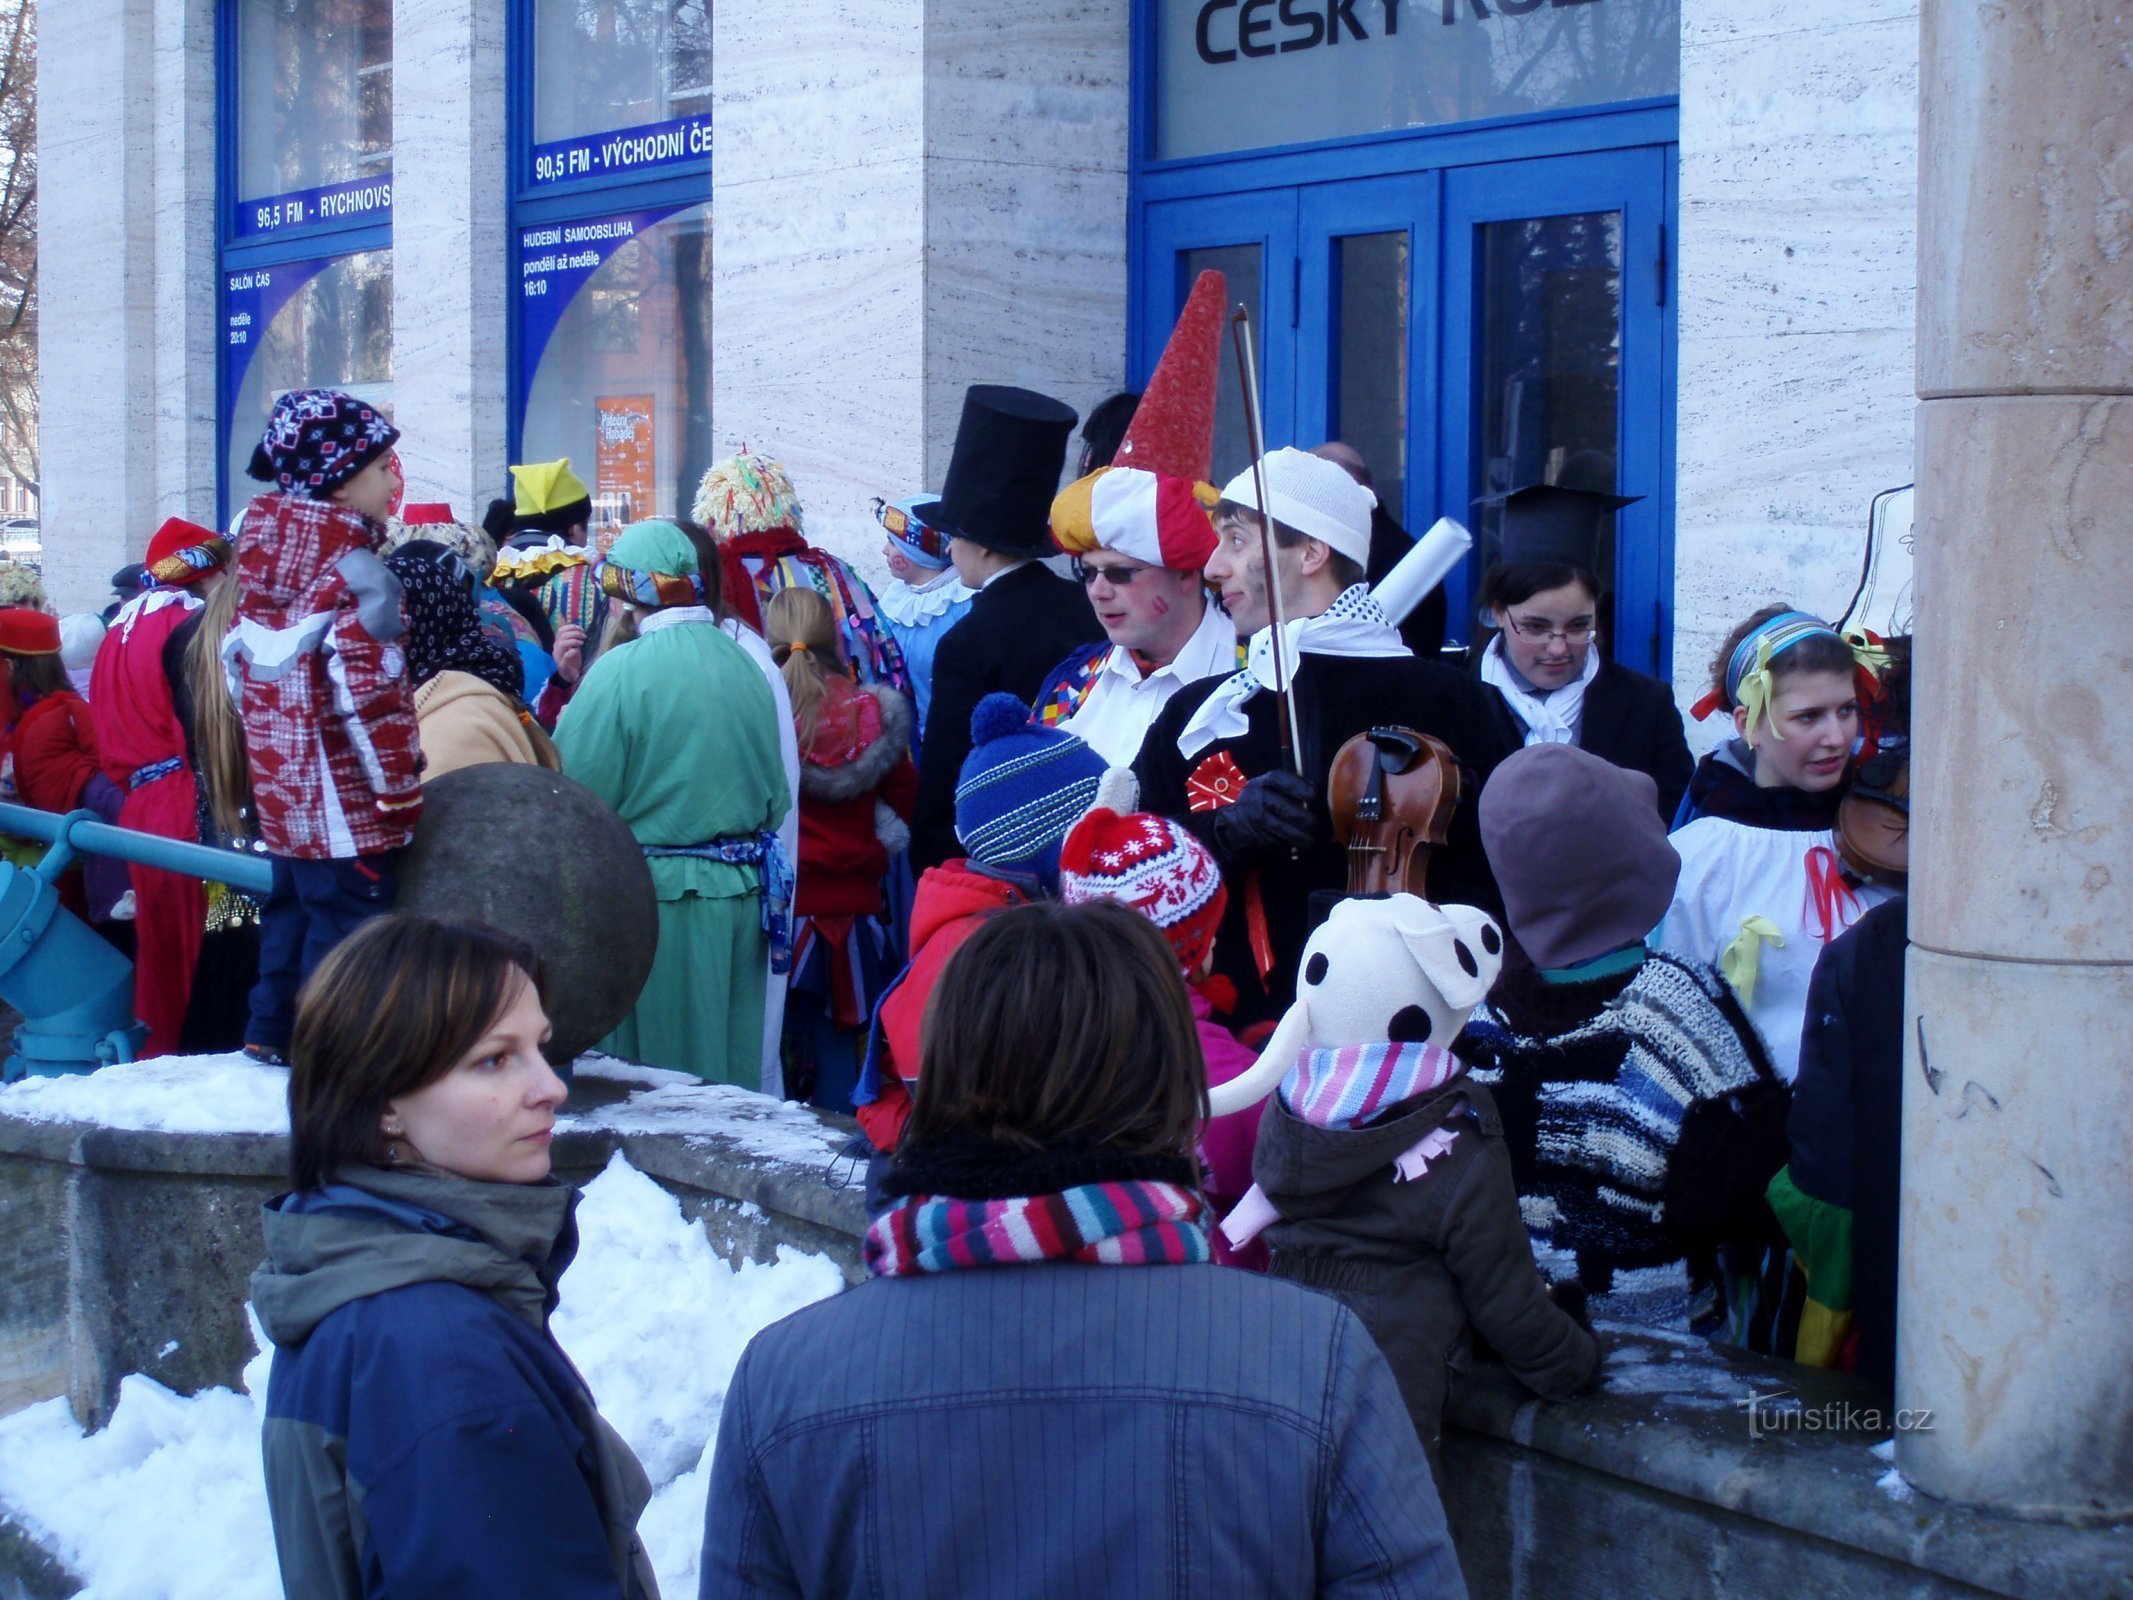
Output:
(449, 250)
(97, 302)
(1026, 144)
(1799, 142)
(819, 252)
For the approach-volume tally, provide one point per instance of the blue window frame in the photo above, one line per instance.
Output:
(610, 171)
(1417, 273)
(303, 211)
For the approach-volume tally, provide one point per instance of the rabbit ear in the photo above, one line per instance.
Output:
(1257, 1081)
(1452, 959)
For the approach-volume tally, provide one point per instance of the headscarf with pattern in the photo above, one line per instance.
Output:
(444, 631)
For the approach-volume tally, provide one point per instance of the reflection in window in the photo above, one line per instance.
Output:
(314, 93)
(603, 64)
(336, 332)
(624, 385)
(1370, 385)
(1549, 379)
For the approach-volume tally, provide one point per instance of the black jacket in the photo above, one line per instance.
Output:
(1337, 697)
(1630, 720)
(1847, 1113)
(1426, 1264)
(1021, 625)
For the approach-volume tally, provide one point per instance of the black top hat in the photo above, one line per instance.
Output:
(1009, 450)
(1549, 525)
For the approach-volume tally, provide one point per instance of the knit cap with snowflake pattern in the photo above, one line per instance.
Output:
(1151, 864)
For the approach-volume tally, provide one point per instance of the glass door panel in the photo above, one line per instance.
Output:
(1558, 352)
(1368, 404)
(1251, 240)
(1548, 369)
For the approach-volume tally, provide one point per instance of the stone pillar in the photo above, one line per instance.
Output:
(449, 288)
(97, 292)
(2015, 1325)
(188, 344)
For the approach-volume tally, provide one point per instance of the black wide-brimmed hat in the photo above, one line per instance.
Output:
(1010, 448)
(1551, 525)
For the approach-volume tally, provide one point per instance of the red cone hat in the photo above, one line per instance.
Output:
(1173, 428)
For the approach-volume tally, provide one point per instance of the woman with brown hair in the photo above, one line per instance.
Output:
(1004, 1408)
(425, 1434)
(857, 790)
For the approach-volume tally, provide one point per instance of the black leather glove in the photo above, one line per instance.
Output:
(1272, 813)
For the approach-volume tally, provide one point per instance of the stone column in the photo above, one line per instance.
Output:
(97, 292)
(449, 288)
(2015, 1325)
(188, 345)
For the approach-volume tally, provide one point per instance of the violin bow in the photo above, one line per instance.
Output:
(1240, 329)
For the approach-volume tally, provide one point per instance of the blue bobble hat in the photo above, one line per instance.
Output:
(1022, 787)
(317, 439)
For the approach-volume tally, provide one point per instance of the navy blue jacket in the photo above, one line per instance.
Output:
(1063, 1431)
(425, 1435)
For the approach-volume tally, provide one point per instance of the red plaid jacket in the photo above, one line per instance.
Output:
(315, 666)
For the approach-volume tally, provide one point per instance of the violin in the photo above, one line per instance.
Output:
(1392, 792)
(1874, 820)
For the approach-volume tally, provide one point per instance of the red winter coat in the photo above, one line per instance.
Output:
(54, 750)
(137, 731)
(951, 904)
(329, 720)
(861, 751)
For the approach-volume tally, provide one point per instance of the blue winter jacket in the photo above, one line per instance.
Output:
(425, 1435)
(1063, 1431)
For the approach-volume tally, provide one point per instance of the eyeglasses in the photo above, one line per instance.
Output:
(1535, 630)
(1117, 577)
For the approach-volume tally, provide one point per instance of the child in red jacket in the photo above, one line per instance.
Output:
(1151, 864)
(1022, 787)
(857, 788)
(316, 668)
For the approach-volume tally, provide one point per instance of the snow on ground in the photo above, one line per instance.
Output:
(776, 1130)
(168, 1094)
(169, 1503)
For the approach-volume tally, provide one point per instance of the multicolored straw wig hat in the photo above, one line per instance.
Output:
(1751, 681)
(182, 553)
(747, 493)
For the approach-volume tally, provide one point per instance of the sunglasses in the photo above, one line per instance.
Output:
(1117, 577)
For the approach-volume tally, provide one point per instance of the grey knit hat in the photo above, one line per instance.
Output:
(1579, 852)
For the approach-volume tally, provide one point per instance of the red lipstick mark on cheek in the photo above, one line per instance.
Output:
(1159, 606)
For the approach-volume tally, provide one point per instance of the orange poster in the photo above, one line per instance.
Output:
(622, 474)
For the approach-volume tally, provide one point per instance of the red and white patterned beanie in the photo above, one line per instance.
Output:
(1151, 864)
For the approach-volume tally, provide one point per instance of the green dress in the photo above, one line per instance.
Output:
(677, 731)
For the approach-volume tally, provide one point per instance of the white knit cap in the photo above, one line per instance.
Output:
(1315, 497)
(79, 636)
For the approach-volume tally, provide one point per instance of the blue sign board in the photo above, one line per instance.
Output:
(251, 299)
(624, 150)
(361, 199)
(555, 261)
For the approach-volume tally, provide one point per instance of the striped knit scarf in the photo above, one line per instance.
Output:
(1133, 1223)
(1348, 1085)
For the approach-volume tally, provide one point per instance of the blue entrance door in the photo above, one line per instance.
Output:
(1468, 329)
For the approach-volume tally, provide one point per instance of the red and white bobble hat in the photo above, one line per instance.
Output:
(1151, 864)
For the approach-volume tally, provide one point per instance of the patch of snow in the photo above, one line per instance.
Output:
(651, 1317)
(1891, 1483)
(615, 1070)
(1885, 1451)
(167, 1094)
(775, 1130)
(170, 1349)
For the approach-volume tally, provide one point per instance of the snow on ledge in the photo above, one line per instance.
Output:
(167, 1094)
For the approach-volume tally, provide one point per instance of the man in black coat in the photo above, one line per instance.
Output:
(1212, 760)
(995, 506)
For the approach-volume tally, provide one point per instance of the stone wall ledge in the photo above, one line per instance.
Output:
(1674, 1419)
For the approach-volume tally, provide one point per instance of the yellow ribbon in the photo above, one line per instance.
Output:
(1742, 961)
(1866, 652)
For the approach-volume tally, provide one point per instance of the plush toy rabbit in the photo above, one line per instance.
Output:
(1381, 1172)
